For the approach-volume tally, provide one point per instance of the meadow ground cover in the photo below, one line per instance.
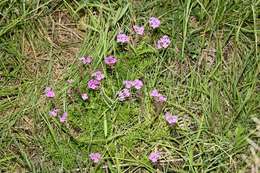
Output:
(129, 86)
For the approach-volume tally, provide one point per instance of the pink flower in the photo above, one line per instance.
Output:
(138, 84)
(95, 157)
(128, 84)
(110, 60)
(124, 94)
(163, 42)
(154, 22)
(122, 38)
(154, 93)
(93, 84)
(157, 96)
(154, 156)
(49, 92)
(63, 118)
(171, 119)
(161, 98)
(84, 96)
(86, 59)
(138, 29)
(54, 112)
(98, 75)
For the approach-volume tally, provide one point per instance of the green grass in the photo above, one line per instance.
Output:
(210, 74)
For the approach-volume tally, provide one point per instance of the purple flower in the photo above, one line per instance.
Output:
(163, 42)
(122, 38)
(157, 96)
(54, 112)
(154, 93)
(93, 84)
(138, 84)
(49, 92)
(98, 75)
(154, 22)
(154, 156)
(110, 60)
(161, 98)
(128, 84)
(86, 59)
(95, 157)
(171, 119)
(124, 94)
(84, 96)
(63, 118)
(138, 29)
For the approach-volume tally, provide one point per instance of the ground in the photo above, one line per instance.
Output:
(209, 73)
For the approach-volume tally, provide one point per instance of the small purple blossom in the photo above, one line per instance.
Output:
(93, 84)
(154, 22)
(49, 92)
(98, 75)
(124, 94)
(157, 96)
(154, 93)
(122, 38)
(161, 98)
(138, 29)
(54, 112)
(63, 118)
(154, 156)
(171, 119)
(128, 84)
(84, 96)
(86, 59)
(95, 157)
(163, 42)
(138, 84)
(110, 60)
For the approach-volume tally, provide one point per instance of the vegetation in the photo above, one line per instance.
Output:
(209, 73)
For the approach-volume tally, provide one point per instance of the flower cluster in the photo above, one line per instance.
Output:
(95, 157)
(54, 113)
(157, 96)
(95, 82)
(130, 88)
(163, 42)
(129, 84)
(171, 119)
(86, 59)
(49, 92)
(110, 60)
(122, 38)
(138, 29)
(154, 156)
(137, 84)
(124, 94)
(98, 75)
(154, 22)
(63, 118)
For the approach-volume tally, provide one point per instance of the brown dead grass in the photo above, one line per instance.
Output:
(58, 41)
